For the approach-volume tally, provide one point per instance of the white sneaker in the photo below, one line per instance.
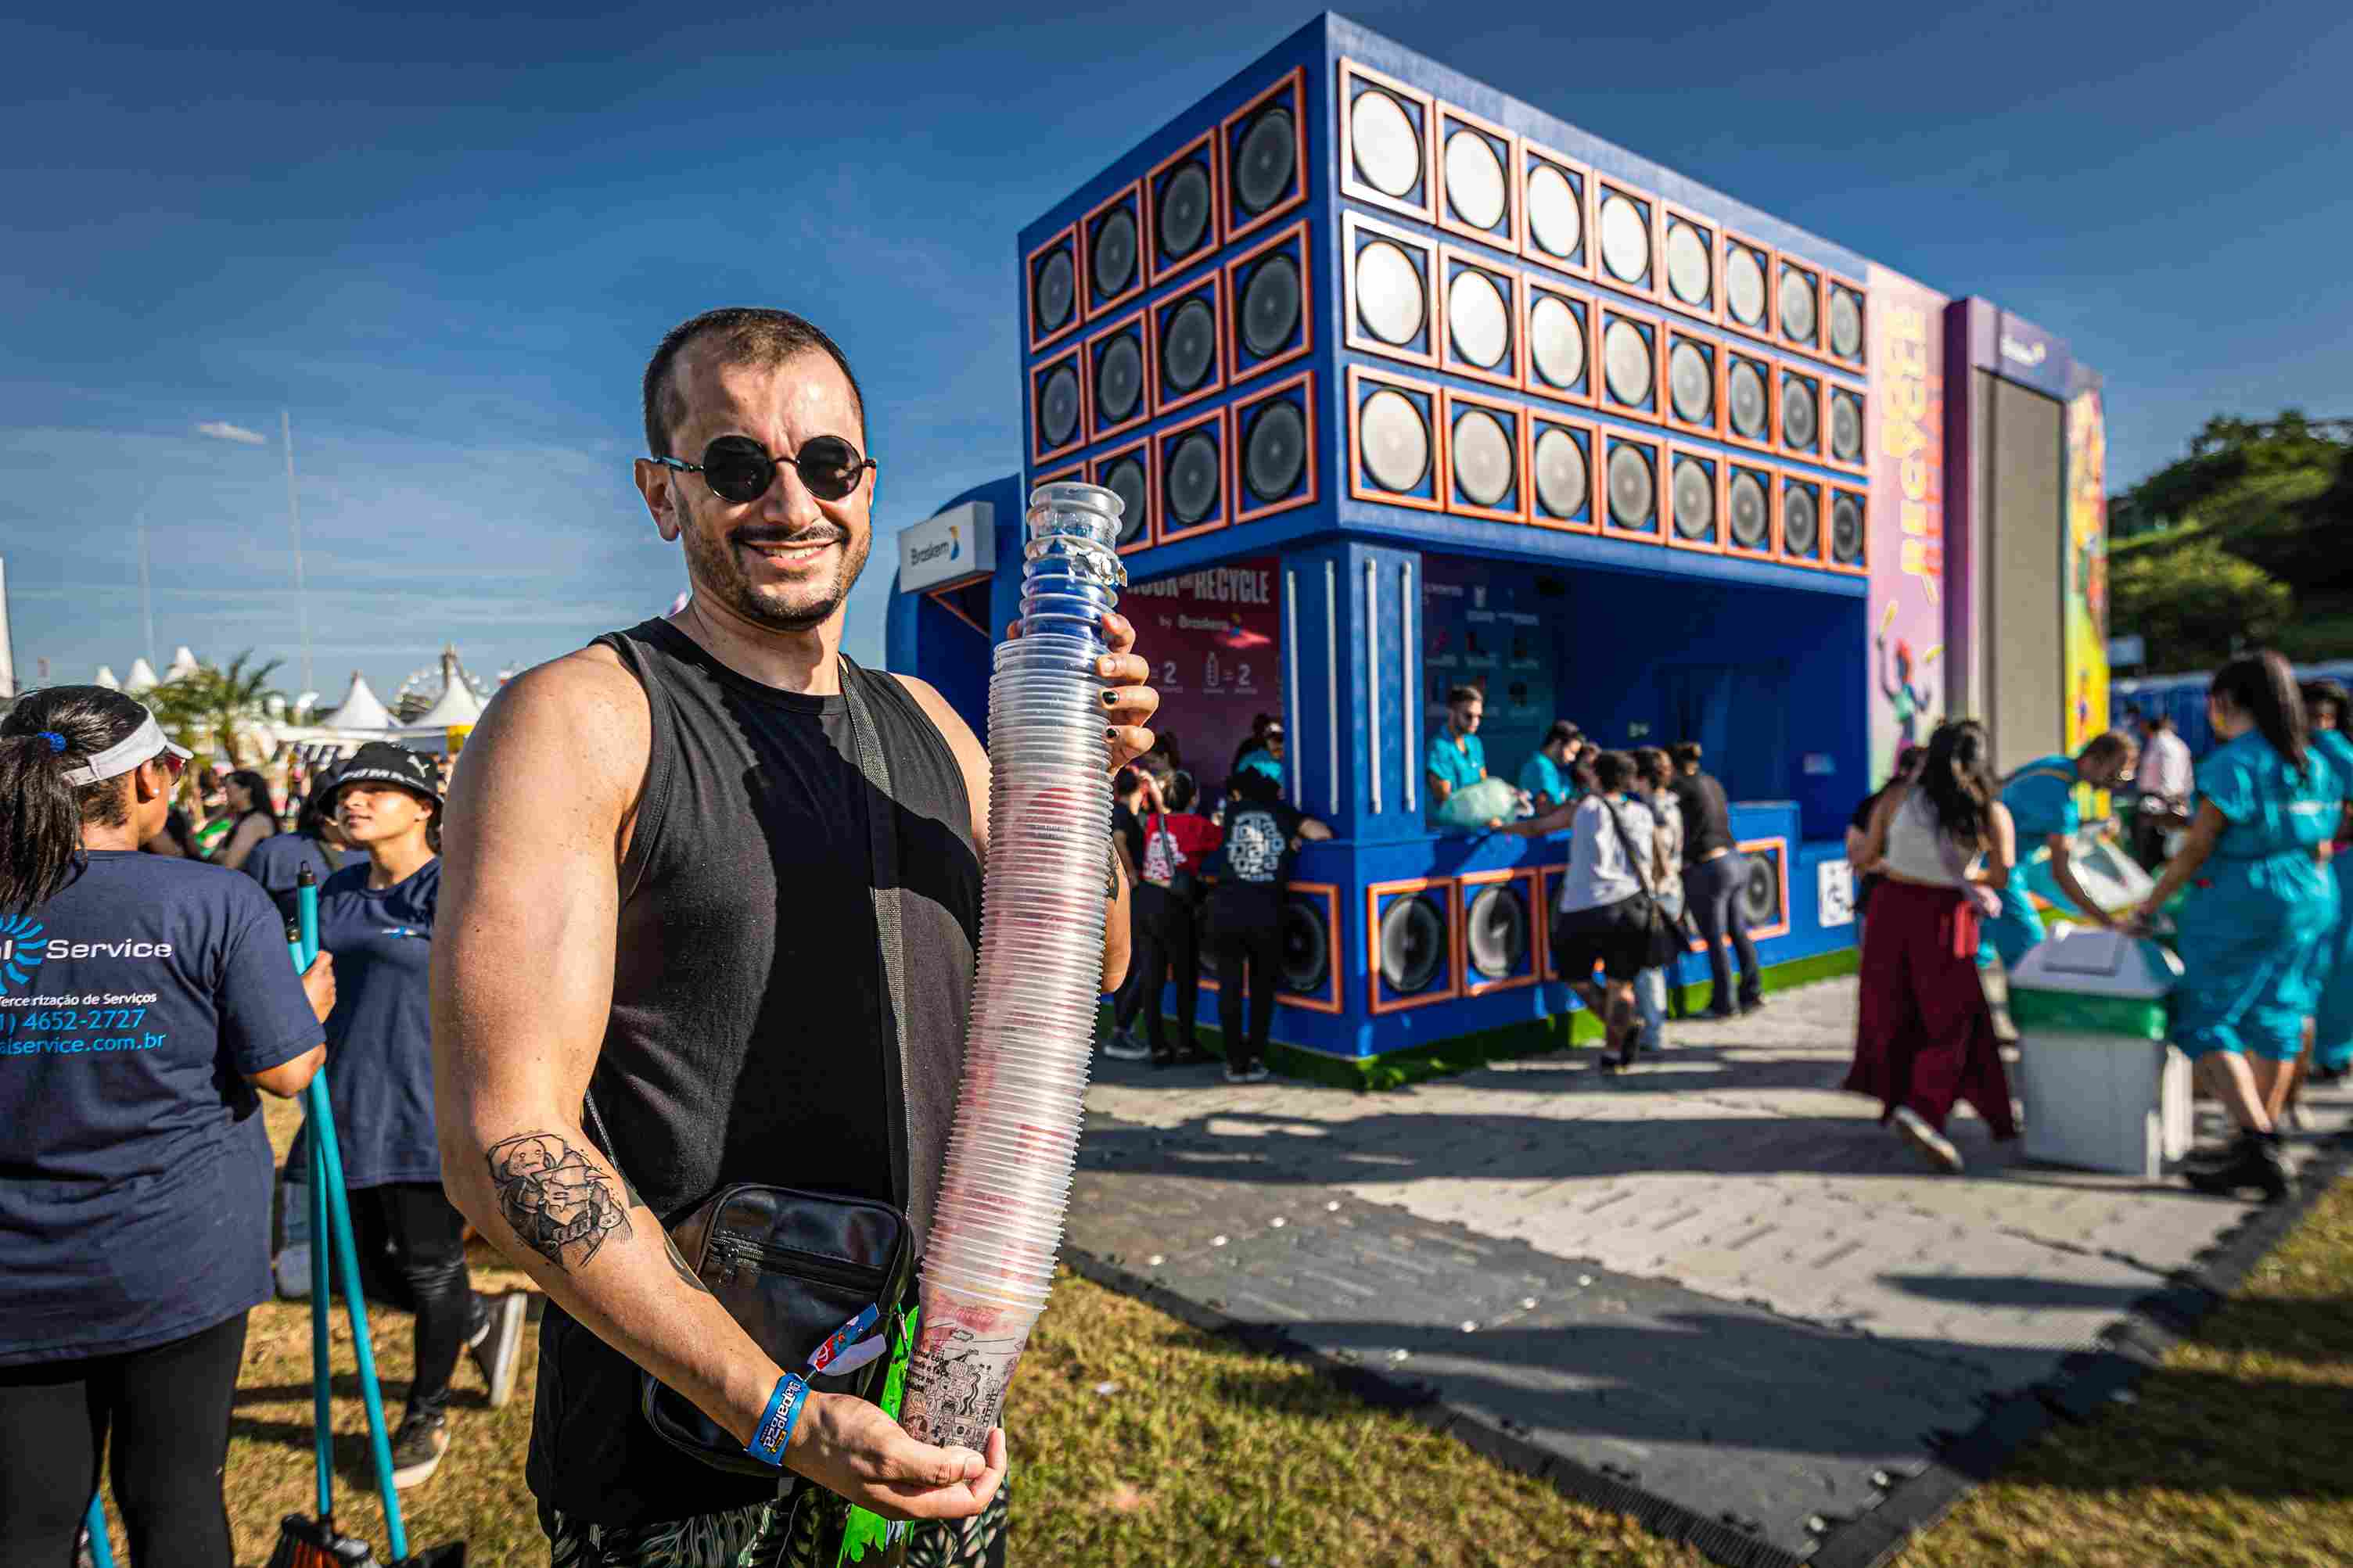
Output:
(1933, 1145)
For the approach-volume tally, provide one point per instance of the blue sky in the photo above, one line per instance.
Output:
(447, 241)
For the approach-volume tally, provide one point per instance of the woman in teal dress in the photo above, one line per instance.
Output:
(2261, 897)
(2324, 703)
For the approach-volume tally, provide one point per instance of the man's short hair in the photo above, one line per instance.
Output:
(2107, 746)
(1686, 753)
(1458, 695)
(747, 335)
(2329, 692)
(1562, 730)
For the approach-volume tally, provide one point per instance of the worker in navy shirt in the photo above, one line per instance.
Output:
(143, 1000)
(377, 919)
(2042, 800)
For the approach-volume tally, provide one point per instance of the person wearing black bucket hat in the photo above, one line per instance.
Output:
(377, 919)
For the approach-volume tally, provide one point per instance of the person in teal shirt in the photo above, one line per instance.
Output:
(2042, 800)
(1545, 775)
(2326, 704)
(2261, 900)
(1457, 756)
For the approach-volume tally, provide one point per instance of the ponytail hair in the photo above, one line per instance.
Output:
(1958, 782)
(2261, 686)
(41, 816)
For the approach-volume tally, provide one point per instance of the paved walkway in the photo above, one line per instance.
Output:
(1714, 1280)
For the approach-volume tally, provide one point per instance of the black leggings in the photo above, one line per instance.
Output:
(1171, 952)
(167, 1409)
(413, 1229)
(1246, 929)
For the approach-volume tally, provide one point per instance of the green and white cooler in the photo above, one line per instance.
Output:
(2104, 1091)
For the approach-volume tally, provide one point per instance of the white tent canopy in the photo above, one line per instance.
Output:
(361, 709)
(141, 678)
(183, 663)
(106, 677)
(456, 705)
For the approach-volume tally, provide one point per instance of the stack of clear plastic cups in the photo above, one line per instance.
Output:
(998, 1223)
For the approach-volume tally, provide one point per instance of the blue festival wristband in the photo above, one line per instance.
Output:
(776, 1422)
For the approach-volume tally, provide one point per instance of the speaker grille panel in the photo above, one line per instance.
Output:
(1395, 441)
(1801, 521)
(1799, 314)
(1846, 425)
(1118, 380)
(1556, 215)
(1391, 303)
(1125, 478)
(1633, 489)
(1189, 345)
(1760, 889)
(1846, 528)
(1690, 268)
(1800, 412)
(1474, 179)
(1275, 451)
(1111, 255)
(1054, 292)
(1751, 511)
(1747, 401)
(1193, 472)
(1484, 461)
(1560, 473)
(1691, 383)
(1413, 944)
(1477, 319)
(1557, 342)
(1846, 323)
(1743, 287)
(1626, 363)
(1383, 143)
(1266, 161)
(1306, 947)
(1271, 304)
(1497, 939)
(1625, 238)
(1057, 407)
(1181, 213)
(1694, 499)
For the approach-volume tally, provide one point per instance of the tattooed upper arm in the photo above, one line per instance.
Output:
(560, 1205)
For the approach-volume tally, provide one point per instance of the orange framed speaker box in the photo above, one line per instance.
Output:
(1127, 471)
(1798, 404)
(1410, 948)
(1848, 541)
(1311, 948)
(1110, 250)
(1689, 262)
(1797, 518)
(1630, 487)
(1052, 274)
(1057, 407)
(1845, 310)
(1696, 481)
(1631, 364)
(1274, 448)
(1268, 323)
(1561, 465)
(1390, 281)
(1625, 237)
(1397, 440)
(1183, 210)
(1189, 336)
(1751, 417)
(1264, 145)
(1497, 922)
(1386, 130)
(1478, 197)
(1798, 305)
(1847, 426)
(1765, 893)
(1559, 329)
(1192, 471)
(1118, 376)
(1749, 518)
(1486, 456)
(1694, 379)
(1746, 271)
(1556, 210)
(1479, 311)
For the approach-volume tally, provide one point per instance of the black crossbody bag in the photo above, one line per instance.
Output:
(1665, 944)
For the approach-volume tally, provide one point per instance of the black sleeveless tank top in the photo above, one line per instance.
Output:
(751, 1036)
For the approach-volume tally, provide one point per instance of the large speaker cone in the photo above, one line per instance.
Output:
(1633, 489)
(1474, 180)
(1057, 406)
(1691, 383)
(1801, 521)
(1751, 511)
(1477, 318)
(1496, 939)
(1189, 345)
(1760, 891)
(1267, 159)
(1383, 143)
(1846, 427)
(1111, 253)
(1193, 479)
(1743, 287)
(1396, 443)
(1560, 473)
(1625, 240)
(1413, 944)
(1275, 451)
(1118, 380)
(1390, 300)
(1745, 397)
(1797, 314)
(1800, 415)
(1694, 499)
(1484, 462)
(1846, 323)
(1626, 362)
(1690, 269)
(1055, 292)
(1846, 529)
(1555, 217)
(1306, 947)
(1125, 479)
(1271, 302)
(1556, 341)
(1182, 212)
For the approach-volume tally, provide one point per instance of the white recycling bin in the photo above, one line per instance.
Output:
(2104, 1091)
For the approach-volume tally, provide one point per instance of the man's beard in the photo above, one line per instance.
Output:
(716, 570)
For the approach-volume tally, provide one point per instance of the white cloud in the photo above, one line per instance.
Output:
(222, 430)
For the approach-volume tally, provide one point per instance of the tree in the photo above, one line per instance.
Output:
(2197, 602)
(215, 710)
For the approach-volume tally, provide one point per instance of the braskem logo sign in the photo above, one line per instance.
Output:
(22, 950)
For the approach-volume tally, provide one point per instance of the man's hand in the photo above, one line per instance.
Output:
(852, 1450)
(318, 984)
(1128, 702)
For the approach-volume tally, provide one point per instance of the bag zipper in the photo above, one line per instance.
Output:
(739, 1250)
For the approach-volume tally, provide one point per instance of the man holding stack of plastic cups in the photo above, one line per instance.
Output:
(710, 907)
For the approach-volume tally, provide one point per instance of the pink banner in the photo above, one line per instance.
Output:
(1905, 329)
(1212, 638)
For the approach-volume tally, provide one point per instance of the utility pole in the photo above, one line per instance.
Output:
(146, 593)
(294, 521)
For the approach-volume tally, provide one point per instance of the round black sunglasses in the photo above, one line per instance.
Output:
(739, 470)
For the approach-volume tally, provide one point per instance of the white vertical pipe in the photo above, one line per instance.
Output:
(1332, 673)
(1291, 685)
(1372, 678)
(1409, 708)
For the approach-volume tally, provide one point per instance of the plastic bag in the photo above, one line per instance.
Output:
(1475, 805)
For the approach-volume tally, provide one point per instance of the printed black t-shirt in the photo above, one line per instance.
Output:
(134, 1174)
(380, 1036)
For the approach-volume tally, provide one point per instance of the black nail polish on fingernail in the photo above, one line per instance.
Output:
(1110, 733)
(1111, 699)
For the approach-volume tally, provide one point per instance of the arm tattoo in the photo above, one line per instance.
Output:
(1112, 871)
(561, 1205)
